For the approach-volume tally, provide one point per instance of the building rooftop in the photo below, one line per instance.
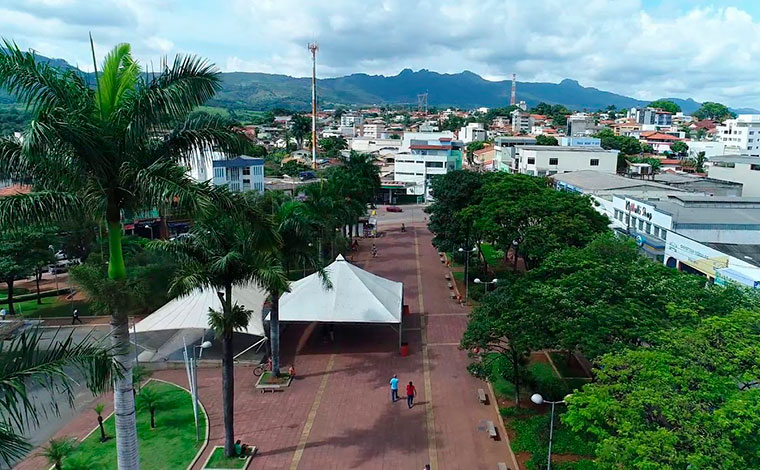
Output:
(747, 253)
(240, 161)
(735, 159)
(710, 210)
(593, 180)
(555, 148)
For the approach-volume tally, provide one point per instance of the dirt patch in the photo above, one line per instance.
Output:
(538, 356)
(523, 458)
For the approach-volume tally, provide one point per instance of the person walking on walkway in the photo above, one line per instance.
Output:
(394, 388)
(374, 251)
(410, 393)
(3, 313)
(75, 317)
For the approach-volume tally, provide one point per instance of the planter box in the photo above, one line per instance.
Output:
(243, 463)
(261, 384)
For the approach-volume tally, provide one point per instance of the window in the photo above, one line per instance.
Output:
(594, 162)
(246, 171)
(664, 234)
(657, 231)
(531, 161)
(641, 224)
(754, 167)
(434, 164)
(553, 161)
(749, 140)
(648, 227)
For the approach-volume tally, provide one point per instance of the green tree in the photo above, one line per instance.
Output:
(471, 148)
(697, 163)
(679, 147)
(714, 111)
(38, 243)
(546, 140)
(148, 399)
(300, 128)
(59, 449)
(93, 152)
(15, 264)
(453, 123)
(25, 366)
(665, 105)
(226, 248)
(331, 146)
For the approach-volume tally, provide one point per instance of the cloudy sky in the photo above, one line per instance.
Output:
(707, 50)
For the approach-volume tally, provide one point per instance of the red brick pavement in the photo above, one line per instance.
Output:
(356, 425)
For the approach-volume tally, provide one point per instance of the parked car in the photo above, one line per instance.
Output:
(393, 209)
(307, 175)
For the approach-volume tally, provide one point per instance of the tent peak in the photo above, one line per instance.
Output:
(340, 258)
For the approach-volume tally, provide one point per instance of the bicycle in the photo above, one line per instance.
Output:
(261, 368)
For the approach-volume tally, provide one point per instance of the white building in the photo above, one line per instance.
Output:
(651, 117)
(369, 144)
(423, 155)
(429, 126)
(710, 147)
(580, 142)
(580, 124)
(374, 131)
(522, 122)
(505, 150)
(473, 132)
(351, 119)
(741, 135)
(739, 169)
(242, 173)
(543, 160)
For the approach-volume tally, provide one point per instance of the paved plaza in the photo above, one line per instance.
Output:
(338, 413)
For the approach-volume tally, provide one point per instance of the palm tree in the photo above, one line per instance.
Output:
(94, 152)
(24, 366)
(59, 449)
(226, 248)
(99, 410)
(295, 228)
(148, 399)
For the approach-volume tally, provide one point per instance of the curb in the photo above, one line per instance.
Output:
(503, 426)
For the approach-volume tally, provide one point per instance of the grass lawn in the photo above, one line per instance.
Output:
(51, 307)
(494, 257)
(214, 110)
(170, 445)
(16, 291)
(218, 460)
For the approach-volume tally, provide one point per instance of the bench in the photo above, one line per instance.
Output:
(443, 260)
(492, 430)
(447, 276)
(501, 466)
(482, 396)
(453, 295)
(451, 286)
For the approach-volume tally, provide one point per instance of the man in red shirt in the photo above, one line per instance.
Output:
(410, 393)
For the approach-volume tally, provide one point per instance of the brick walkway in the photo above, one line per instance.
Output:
(338, 414)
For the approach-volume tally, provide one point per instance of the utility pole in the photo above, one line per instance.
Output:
(313, 48)
(513, 96)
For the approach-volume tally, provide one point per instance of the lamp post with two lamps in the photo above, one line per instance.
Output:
(539, 400)
(194, 383)
(466, 254)
(485, 283)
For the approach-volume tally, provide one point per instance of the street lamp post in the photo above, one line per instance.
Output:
(201, 347)
(539, 400)
(152, 236)
(485, 283)
(466, 254)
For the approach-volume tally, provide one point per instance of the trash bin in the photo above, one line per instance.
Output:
(404, 349)
(406, 310)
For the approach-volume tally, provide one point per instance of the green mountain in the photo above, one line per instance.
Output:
(262, 91)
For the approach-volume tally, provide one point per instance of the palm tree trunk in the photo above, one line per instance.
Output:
(127, 456)
(102, 429)
(274, 332)
(228, 380)
(10, 296)
(37, 276)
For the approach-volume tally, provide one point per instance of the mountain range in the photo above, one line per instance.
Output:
(262, 91)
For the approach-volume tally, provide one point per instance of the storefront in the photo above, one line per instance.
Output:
(643, 222)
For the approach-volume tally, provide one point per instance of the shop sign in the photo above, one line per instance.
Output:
(637, 209)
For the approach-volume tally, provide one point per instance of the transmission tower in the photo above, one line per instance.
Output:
(313, 48)
(513, 96)
(422, 102)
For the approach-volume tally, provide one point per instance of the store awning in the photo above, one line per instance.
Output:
(356, 296)
(191, 311)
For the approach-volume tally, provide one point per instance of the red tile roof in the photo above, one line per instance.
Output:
(670, 161)
(15, 189)
(651, 135)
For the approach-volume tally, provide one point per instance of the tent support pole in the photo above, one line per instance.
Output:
(399, 338)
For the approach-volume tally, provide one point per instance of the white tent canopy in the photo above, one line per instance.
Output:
(356, 296)
(191, 311)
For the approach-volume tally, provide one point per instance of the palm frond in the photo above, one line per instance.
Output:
(164, 181)
(40, 208)
(236, 320)
(13, 446)
(118, 76)
(199, 135)
(24, 364)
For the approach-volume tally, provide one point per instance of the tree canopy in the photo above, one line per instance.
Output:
(665, 105)
(546, 140)
(714, 111)
(679, 147)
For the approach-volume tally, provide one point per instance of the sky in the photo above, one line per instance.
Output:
(647, 49)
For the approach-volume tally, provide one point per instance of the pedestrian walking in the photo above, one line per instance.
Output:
(374, 251)
(394, 388)
(75, 317)
(3, 313)
(410, 393)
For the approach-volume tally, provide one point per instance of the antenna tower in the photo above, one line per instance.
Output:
(313, 48)
(422, 102)
(513, 96)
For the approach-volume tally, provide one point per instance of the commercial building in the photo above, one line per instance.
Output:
(711, 148)
(659, 141)
(651, 117)
(580, 142)
(374, 131)
(699, 184)
(370, 145)
(739, 169)
(423, 155)
(741, 135)
(522, 122)
(543, 160)
(504, 151)
(351, 119)
(473, 132)
(242, 173)
(580, 124)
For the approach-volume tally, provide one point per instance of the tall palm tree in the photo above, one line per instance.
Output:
(226, 248)
(295, 228)
(59, 449)
(25, 365)
(94, 152)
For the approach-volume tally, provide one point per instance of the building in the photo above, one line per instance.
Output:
(699, 184)
(580, 142)
(741, 135)
(659, 141)
(522, 122)
(504, 151)
(351, 119)
(374, 131)
(580, 124)
(626, 128)
(739, 169)
(543, 160)
(473, 132)
(651, 117)
(240, 174)
(429, 126)
(371, 145)
(424, 155)
(710, 147)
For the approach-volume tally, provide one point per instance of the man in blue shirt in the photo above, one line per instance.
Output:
(394, 388)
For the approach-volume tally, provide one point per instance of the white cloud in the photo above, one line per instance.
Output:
(707, 53)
